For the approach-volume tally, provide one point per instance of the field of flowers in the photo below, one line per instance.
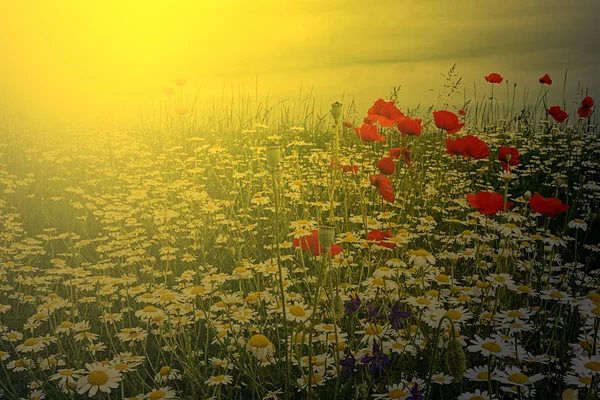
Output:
(359, 254)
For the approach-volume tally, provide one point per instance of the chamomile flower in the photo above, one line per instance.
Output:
(100, 377)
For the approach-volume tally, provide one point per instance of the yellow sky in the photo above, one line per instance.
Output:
(85, 61)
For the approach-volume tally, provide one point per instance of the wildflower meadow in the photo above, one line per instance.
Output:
(292, 252)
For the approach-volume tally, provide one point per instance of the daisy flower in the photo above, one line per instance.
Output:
(490, 346)
(393, 392)
(163, 393)
(100, 377)
(477, 395)
(513, 376)
(260, 346)
(586, 365)
(31, 345)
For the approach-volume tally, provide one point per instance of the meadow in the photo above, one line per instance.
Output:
(286, 252)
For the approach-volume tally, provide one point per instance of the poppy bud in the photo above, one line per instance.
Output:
(508, 157)
(273, 156)
(527, 195)
(502, 244)
(326, 236)
(336, 110)
(455, 360)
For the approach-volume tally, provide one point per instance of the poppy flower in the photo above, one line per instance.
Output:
(379, 236)
(494, 78)
(386, 165)
(312, 245)
(476, 147)
(588, 102)
(385, 113)
(448, 121)
(557, 114)
(384, 185)
(345, 168)
(553, 110)
(503, 154)
(456, 147)
(180, 82)
(368, 133)
(348, 124)
(584, 112)
(546, 80)
(409, 126)
(488, 203)
(462, 112)
(396, 152)
(168, 90)
(548, 207)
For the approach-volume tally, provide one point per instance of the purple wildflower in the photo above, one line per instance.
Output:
(377, 361)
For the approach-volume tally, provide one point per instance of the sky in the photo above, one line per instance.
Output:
(85, 62)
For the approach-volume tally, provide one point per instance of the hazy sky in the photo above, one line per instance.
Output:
(91, 60)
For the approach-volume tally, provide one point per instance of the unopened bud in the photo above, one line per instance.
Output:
(326, 236)
(336, 110)
(455, 360)
(273, 156)
(527, 195)
(508, 157)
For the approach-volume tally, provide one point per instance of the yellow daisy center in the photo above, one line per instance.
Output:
(159, 394)
(97, 378)
(492, 347)
(592, 365)
(297, 311)
(258, 340)
(518, 378)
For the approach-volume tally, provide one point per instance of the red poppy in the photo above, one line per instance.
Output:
(588, 102)
(386, 165)
(546, 80)
(456, 147)
(548, 207)
(448, 121)
(368, 133)
(180, 82)
(503, 154)
(488, 203)
(494, 78)
(557, 114)
(462, 112)
(379, 236)
(384, 185)
(385, 113)
(348, 124)
(396, 152)
(409, 126)
(168, 90)
(476, 147)
(345, 168)
(553, 110)
(312, 245)
(584, 112)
